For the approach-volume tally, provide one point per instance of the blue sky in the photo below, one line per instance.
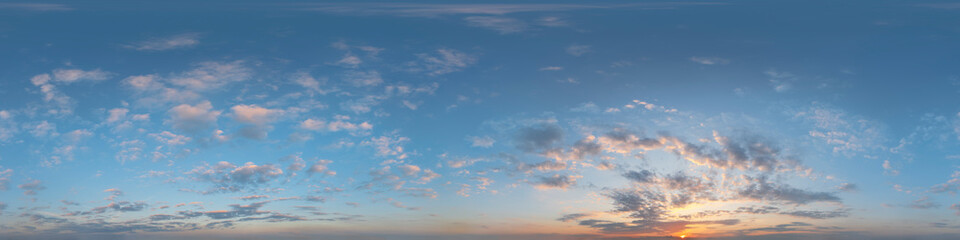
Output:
(479, 120)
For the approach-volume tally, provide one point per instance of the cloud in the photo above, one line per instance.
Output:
(551, 68)
(340, 124)
(254, 197)
(556, 181)
(167, 43)
(5, 178)
(503, 25)
(538, 137)
(369, 78)
(76, 75)
(579, 50)
(573, 217)
(227, 177)
(444, 61)
(193, 119)
(256, 119)
(305, 80)
(435, 10)
(30, 188)
(484, 142)
(781, 81)
(924, 203)
(761, 189)
(237, 211)
(388, 146)
(320, 167)
(117, 114)
(819, 214)
(952, 186)
(790, 227)
(709, 60)
(642, 176)
(212, 75)
(43, 7)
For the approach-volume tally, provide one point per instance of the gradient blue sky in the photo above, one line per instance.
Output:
(479, 120)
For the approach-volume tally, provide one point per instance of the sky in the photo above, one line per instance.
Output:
(479, 120)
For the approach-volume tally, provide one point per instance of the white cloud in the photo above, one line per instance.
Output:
(709, 60)
(484, 141)
(168, 43)
(782, 81)
(551, 68)
(320, 167)
(117, 114)
(363, 79)
(257, 118)
(503, 25)
(579, 50)
(445, 61)
(74, 75)
(340, 124)
(350, 61)
(193, 119)
(212, 75)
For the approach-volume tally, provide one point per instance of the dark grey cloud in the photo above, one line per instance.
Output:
(43, 7)
(572, 217)
(237, 211)
(642, 176)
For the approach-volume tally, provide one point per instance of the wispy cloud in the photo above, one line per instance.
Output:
(167, 43)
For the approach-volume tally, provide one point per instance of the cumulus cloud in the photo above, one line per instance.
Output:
(5, 178)
(167, 43)
(369, 78)
(320, 167)
(579, 50)
(256, 120)
(762, 189)
(193, 119)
